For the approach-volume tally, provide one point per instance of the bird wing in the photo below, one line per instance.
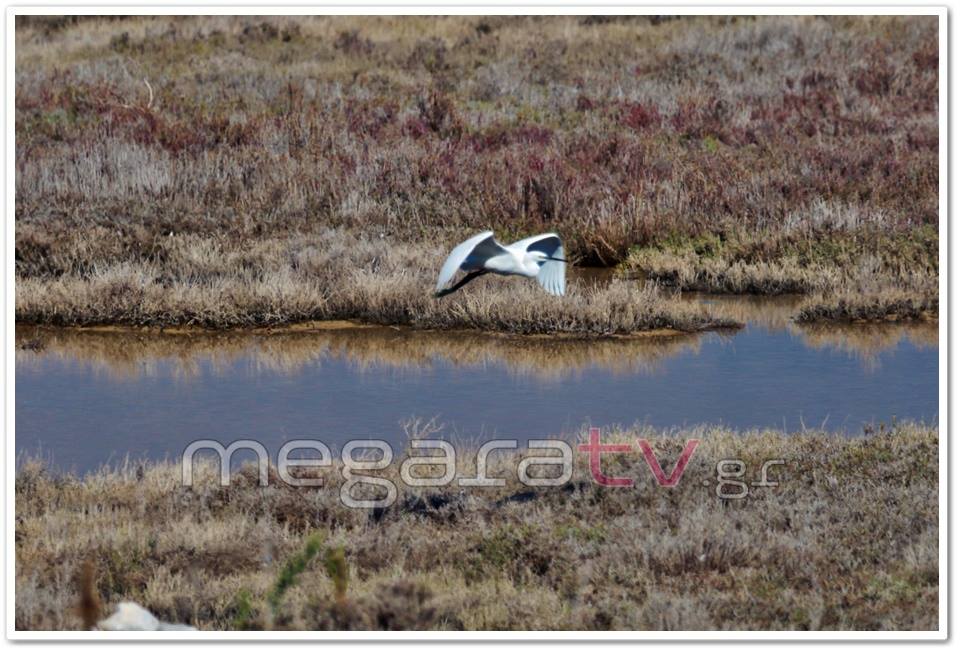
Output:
(545, 242)
(552, 276)
(469, 255)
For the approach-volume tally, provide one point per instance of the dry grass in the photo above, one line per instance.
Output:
(198, 281)
(637, 139)
(848, 540)
(868, 276)
(889, 304)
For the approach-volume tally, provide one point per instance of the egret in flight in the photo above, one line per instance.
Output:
(539, 257)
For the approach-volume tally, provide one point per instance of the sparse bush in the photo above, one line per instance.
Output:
(294, 567)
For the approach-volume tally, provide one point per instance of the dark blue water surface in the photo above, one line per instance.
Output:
(85, 398)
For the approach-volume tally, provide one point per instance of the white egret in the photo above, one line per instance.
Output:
(539, 257)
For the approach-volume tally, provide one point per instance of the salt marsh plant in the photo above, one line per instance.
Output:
(164, 164)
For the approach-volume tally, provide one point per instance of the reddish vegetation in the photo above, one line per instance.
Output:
(618, 133)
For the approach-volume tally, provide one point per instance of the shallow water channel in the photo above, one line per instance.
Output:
(90, 397)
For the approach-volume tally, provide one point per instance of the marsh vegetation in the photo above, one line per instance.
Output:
(229, 171)
(847, 540)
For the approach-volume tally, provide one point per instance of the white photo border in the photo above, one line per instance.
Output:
(393, 7)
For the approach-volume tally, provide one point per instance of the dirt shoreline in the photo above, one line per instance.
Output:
(347, 325)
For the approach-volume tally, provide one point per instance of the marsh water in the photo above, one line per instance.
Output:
(90, 397)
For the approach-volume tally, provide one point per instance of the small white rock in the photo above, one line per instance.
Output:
(131, 617)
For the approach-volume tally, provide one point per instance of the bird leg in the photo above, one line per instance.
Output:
(459, 284)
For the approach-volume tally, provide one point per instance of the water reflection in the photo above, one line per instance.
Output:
(864, 341)
(132, 353)
(867, 341)
(92, 396)
(772, 313)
